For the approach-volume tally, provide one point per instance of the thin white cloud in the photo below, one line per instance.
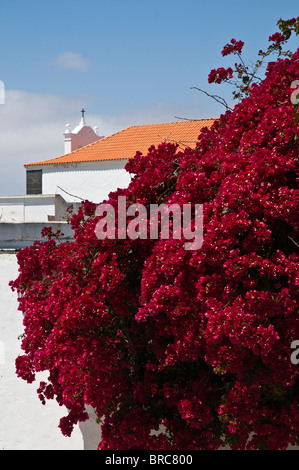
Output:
(71, 60)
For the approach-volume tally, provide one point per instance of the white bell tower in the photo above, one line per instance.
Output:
(80, 136)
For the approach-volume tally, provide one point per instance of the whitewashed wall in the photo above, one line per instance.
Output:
(26, 208)
(26, 424)
(33, 208)
(92, 181)
(20, 234)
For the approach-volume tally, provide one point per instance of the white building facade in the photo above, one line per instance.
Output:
(92, 166)
(85, 180)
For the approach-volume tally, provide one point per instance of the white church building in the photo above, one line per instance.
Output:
(94, 165)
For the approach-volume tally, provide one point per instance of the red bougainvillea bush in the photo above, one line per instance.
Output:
(173, 348)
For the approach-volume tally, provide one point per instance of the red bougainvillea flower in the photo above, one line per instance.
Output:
(173, 348)
(220, 74)
(233, 47)
(277, 38)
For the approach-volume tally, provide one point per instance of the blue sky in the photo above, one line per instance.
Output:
(127, 62)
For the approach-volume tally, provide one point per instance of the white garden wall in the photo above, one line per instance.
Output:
(33, 208)
(26, 424)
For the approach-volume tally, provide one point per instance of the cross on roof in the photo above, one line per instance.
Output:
(83, 111)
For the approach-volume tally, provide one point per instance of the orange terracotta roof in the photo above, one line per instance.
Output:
(125, 144)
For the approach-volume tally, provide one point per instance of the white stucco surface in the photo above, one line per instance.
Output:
(26, 208)
(32, 208)
(26, 424)
(85, 180)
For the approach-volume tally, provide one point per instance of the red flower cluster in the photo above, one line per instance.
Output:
(233, 47)
(277, 38)
(179, 349)
(220, 74)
